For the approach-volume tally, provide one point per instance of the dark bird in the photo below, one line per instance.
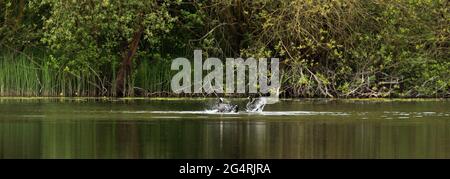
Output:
(223, 107)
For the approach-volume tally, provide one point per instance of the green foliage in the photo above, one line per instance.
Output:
(153, 77)
(340, 48)
(353, 48)
(22, 75)
(86, 35)
(20, 24)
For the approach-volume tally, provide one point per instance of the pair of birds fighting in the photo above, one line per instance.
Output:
(253, 105)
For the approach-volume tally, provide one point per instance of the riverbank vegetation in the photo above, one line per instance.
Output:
(335, 48)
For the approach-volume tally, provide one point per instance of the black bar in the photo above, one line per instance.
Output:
(224, 168)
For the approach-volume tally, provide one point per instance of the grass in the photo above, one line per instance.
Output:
(22, 75)
(29, 76)
(18, 77)
(153, 77)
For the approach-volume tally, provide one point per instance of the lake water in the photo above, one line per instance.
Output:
(167, 128)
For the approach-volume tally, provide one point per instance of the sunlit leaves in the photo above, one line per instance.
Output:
(86, 33)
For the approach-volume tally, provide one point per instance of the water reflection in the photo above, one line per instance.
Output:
(63, 130)
(231, 139)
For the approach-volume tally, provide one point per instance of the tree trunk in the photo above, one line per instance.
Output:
(234, 16)
(125, 70)
(5, 18)
(20, 12)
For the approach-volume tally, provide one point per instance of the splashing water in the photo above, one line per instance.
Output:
(214, 112)
(258, 105)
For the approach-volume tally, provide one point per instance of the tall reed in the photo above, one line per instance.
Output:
(22, 75)
(153, 77)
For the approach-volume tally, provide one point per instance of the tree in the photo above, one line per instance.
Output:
(88, 35)
(20, 24)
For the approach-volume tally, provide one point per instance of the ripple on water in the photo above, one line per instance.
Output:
(407, 115)
(32, 116)
(265, 113)
(205, 113)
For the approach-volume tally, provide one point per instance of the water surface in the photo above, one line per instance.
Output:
(145, 128)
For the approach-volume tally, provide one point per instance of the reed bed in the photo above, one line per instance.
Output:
(153, 78)
(22, 75)
(30, 76)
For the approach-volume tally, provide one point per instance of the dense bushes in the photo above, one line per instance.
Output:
(339, 48)
(345, 48)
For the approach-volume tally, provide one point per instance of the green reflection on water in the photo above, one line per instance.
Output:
(99, 128)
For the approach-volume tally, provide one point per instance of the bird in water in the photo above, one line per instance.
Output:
(258, 104)
(255, 104)
(223, 107)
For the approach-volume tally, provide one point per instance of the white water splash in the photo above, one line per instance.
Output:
(177, 112)
(265, 113)
(263, 101)
(258, 106)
